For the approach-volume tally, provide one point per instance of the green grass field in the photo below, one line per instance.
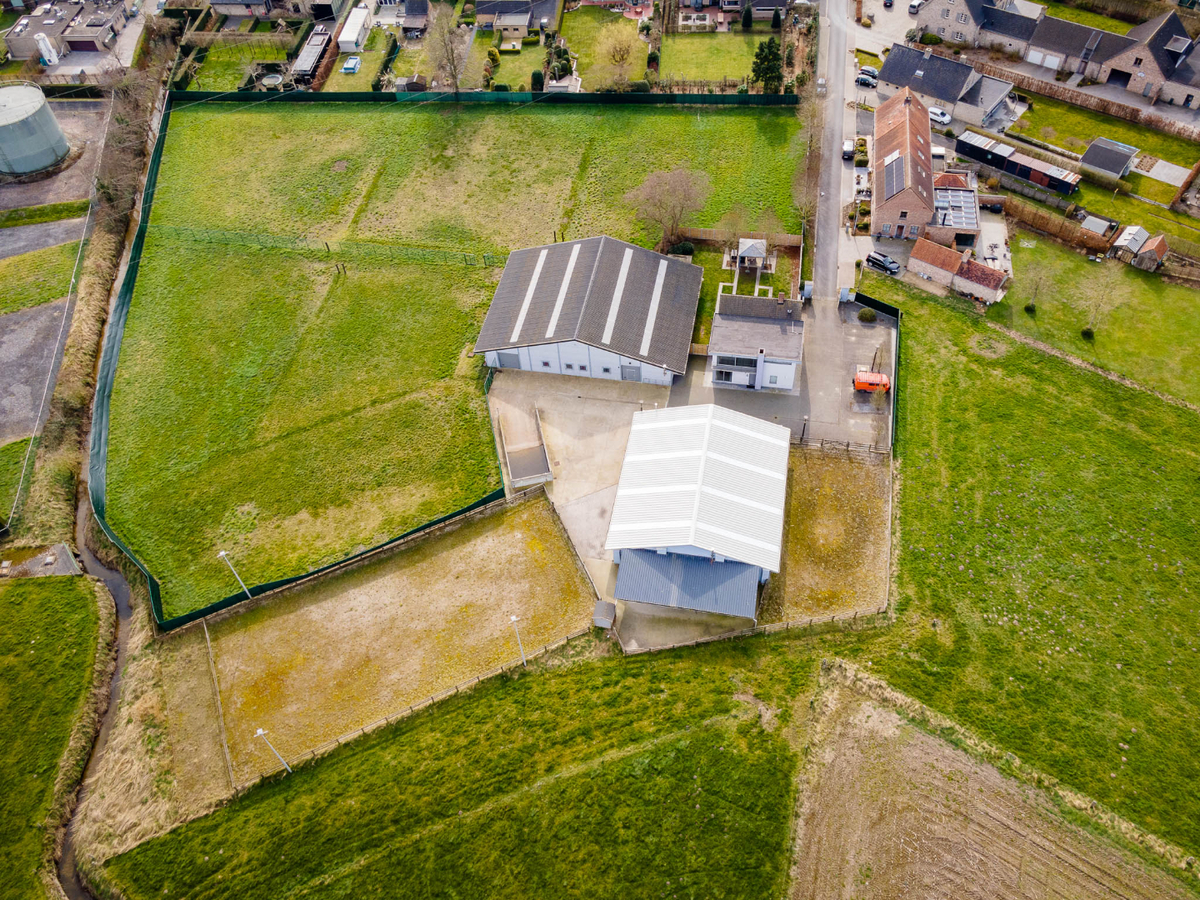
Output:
(1046, 519)
(616, 778)
(47, 650)
(710, 56)
(1085, 17)
(581, 28)
(1073, 128)
(1131, 211)
(1150, 336)
(31, 279)
(1151, 188)
(226, 65)
(307, 415)
(292, 417)
(50, 212)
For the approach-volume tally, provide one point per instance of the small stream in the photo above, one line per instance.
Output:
(68, 877)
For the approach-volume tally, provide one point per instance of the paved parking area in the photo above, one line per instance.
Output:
(29, 348)
(27, 238)
(835, 344)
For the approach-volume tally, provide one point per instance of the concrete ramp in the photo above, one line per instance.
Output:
(524, 450)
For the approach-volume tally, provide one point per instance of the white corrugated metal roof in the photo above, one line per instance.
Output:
(703, 476)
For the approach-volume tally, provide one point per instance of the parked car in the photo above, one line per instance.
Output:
(883, 263)
(821, 86)
(872, 381)
(939, 115)
(887, 4)
(869, 70)
(866, 81)
(848, 149)
(915, 6)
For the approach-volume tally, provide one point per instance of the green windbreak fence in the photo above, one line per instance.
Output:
(110, 354)
(508, 97)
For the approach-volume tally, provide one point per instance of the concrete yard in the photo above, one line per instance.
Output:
(82, 122)
(30, 348)
(27, 238)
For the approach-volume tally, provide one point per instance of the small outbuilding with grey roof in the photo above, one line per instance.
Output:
(698, 515)
(1109, 158)
(596, 308)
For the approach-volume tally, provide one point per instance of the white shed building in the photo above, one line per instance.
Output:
(697, 522)
(354, 33)
(597, 308)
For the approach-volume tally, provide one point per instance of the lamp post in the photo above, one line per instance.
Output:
(804, 430)
(262, 734)
(519, 645)
(225, 556)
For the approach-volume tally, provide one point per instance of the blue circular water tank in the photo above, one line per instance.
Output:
(30, 138)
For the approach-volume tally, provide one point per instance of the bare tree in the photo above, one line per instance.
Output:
(443, 42)
(615, 47)
(665, 199)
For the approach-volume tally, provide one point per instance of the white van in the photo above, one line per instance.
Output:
(915, 6)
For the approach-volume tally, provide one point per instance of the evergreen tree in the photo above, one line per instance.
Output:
(776, 20)
(747, 17)
(768, 66)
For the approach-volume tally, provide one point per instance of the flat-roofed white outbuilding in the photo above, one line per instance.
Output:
(704, 486)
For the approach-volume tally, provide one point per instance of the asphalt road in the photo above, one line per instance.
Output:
(27, 238)
(832, 65)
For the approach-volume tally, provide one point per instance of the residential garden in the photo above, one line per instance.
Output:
(709, 56)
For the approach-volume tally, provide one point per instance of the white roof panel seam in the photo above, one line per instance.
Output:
(734, 498)
(652, 314)
(537, 271)
(615, 306)
(562, 291)
(748, 467)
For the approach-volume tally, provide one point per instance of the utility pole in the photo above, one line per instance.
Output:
(225, 556)
(520, 646)
(262, 734)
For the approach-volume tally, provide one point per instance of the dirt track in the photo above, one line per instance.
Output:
(892, 812)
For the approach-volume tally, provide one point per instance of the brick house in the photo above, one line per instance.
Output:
(902, 186)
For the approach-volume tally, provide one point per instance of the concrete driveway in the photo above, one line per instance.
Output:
(27, 238)
(889, 26)
(30, 349)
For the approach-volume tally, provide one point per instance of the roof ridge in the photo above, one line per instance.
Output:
(587, 292)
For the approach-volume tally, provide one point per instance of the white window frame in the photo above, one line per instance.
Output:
(886, 229)
(962, 18)
(959, 36)
(941, 32)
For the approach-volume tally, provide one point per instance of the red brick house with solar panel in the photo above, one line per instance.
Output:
(902, 197)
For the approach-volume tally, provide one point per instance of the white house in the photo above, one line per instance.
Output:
(355, 31)
(756, 343)
(697, 522)
(596, 308)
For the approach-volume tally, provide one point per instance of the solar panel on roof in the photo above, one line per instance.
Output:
(893, 178)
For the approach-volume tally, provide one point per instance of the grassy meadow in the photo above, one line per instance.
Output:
(1149, 336)
(615, 778)
(47, 650)
(294, 416)
(581, 28)
(49, 212)
(37, 277)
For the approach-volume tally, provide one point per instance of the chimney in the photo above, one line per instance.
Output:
(928, 53)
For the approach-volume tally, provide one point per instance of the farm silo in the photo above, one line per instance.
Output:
(30, 139)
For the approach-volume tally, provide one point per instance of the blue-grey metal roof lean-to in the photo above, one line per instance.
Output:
(688, 582)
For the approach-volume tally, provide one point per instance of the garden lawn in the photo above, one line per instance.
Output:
(372, 56)
(37, 277)
(1151, 188)
(47, 650)
(411, 60)
(1130, 210)
(1073, 128)
(295, 415)
(514, 70)
(615, 778)
(1086, 17)
(226, 65)
(867, 58)
(1047, 576)
(581, 28)
(710, 261)
(712, 56)
(12, 461)
(1153, 335)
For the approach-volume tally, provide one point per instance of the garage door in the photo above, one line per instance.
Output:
(508, 359)
(1052, 62)
(1035, 57)
(631, 373)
